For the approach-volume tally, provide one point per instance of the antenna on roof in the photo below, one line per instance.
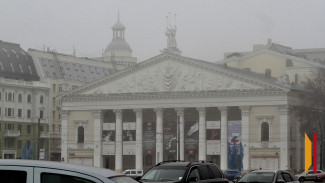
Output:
(118, 15)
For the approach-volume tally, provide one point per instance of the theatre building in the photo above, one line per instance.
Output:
(132, 119)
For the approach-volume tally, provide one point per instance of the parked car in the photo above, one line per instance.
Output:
(184, 172)
(268, 176)
(29, 171)
(133, 173)
(311, 176)
(231, 174)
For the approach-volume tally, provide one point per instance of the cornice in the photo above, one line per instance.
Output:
(172, 95)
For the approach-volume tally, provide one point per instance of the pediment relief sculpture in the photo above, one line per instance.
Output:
(172, 76)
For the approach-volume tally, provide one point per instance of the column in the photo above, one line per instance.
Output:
(180, 113)
(64, 136)
(224, 138)
(118, 141)
(98, 124)
(284, 137)
(139, 148)
(298, 144)
(202, 134)
(159, 136)
(245, 135)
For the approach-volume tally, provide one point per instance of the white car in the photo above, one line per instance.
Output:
(30, 171)
(133, 173)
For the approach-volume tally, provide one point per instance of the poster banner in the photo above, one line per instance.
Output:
(170, 139)
(191, 137)
(129, 138)
(108, 139)
(235, 148)
(213, 137)
(149, 138)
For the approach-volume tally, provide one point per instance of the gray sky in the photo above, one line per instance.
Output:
(205, 28)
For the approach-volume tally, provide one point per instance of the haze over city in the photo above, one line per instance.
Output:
(205, 29)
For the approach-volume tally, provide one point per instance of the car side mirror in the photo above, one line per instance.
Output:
(137, 178)
(280, 181)
(193, 179)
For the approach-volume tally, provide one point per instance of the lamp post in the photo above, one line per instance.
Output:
(38, 137)
(178, 138)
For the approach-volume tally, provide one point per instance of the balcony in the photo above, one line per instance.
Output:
(12, 133)
(44, 135)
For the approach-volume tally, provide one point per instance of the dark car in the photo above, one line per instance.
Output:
(231, 174)
(268, 176)
(184, 172)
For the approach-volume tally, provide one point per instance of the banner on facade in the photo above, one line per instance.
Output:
(191, 135)
(213, 137)
(108, 139)
(149, 138)
(170, 138)
(129, 138)
(235, 147)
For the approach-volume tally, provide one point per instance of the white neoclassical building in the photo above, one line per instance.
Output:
(129, 119)
(241, 114)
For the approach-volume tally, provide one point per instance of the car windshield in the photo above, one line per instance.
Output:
(256, 177)
(123, 179)
(164, 174)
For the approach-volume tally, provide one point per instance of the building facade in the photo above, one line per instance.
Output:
(23, 106)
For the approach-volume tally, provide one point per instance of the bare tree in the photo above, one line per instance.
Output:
(312, 112)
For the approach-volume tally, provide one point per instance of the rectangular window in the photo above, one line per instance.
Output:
(13, 175)
(19, 128)
(41, 128)
(19, 144)
(20, 111)
(60, 87)
(41, 114)
(29, 113)
(54, 87)
(53, 115)
(53, 128)
(9, 143)
(28, 129)
(53, 101)
(59, 128)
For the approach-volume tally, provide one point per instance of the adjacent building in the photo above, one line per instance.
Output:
(24, 108)
(67, 72)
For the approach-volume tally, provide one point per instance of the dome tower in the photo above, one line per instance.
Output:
(118, 49)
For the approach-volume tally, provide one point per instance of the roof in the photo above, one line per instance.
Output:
(118, 26)
(118, 44)
(15, 63)
(63, 166)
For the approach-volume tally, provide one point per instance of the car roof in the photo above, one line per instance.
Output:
(183, 163)
(62, 166)
(266, 170)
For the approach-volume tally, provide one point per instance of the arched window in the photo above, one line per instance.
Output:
(81, 135)
(9, 97)
(41, 100)
(20, 98)
(265, 136)
(29, 99)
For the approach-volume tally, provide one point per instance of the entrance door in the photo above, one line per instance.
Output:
(9, 156)
(264, 163)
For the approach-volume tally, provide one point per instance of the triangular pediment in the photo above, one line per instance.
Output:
(172, 73)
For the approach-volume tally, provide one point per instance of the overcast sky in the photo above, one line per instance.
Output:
(206, 29)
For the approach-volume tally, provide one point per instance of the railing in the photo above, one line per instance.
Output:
(12, 133)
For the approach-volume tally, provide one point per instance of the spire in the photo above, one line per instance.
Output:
(118, 15)
(171, 36)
